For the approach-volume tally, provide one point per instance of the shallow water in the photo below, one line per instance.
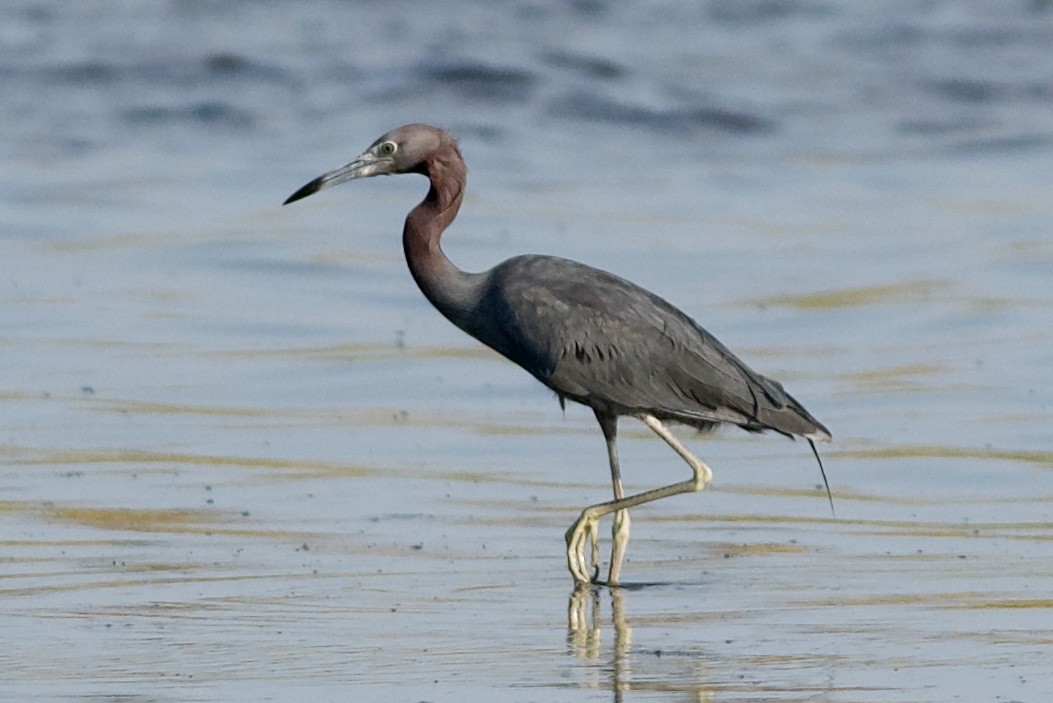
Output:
(242, 459)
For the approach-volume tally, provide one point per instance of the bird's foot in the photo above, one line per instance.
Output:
(585, 529)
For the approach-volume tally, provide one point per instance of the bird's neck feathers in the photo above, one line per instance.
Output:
(451, 290)
(426, 222)
(448, 175)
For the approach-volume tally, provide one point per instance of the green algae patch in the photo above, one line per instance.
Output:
(856, 297)
(928, 451)
(133, 520)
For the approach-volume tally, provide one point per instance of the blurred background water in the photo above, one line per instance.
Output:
(242, 459)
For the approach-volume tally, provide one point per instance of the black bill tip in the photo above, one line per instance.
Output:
(312, 187)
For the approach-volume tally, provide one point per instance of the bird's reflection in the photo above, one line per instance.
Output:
(585, 641)
(583, 632)
(583, 623)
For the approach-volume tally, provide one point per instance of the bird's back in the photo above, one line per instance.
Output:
(602, 341)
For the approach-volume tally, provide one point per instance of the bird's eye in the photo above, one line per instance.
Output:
(387, 148)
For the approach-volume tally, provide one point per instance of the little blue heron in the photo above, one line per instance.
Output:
(590, 336)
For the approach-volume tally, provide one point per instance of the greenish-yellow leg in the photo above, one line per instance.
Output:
(586, 527)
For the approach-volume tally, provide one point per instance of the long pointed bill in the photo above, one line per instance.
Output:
(364, 166)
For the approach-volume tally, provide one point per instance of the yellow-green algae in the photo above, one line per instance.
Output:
(856, 297)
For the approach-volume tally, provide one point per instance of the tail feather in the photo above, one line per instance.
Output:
(829, 495)
(792, 419)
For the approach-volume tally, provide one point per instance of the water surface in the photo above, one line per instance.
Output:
(242, 459)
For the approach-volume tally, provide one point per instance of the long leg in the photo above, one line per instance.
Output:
(590, 516)
(620, 528)
(576, 541)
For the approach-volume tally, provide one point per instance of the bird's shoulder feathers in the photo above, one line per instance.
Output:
(601, 340)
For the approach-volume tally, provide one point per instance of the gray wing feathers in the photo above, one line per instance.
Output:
(600, 340)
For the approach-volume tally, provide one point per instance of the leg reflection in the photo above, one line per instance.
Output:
(623, 634)
(583, 622)
(583, 633)
(613, 669)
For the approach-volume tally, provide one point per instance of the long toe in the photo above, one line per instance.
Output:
(576, 560)
(576, 536)
(594, 539)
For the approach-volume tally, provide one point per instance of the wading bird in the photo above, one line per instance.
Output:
(590, 336)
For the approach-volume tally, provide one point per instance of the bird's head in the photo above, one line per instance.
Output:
(406, 149)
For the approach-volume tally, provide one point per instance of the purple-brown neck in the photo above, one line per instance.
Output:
(452, 291)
